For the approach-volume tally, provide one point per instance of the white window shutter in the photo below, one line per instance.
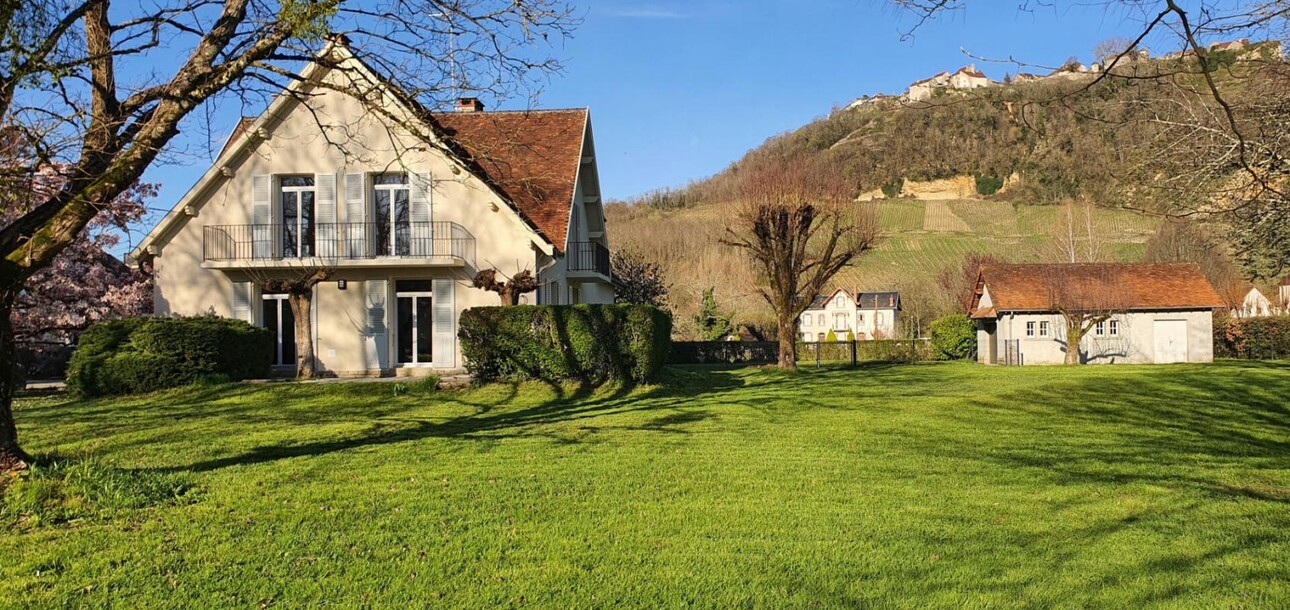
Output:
(242, 301)
(325, 215)
(419, 189)
(356, 241)
(378, 335)
(261, 216)
(445, 324)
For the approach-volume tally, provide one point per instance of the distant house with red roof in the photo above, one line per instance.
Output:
(402, 205)
(1143, 312)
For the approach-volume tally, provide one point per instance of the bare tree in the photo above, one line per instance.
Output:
(509, 289)
(297, 281)
(795, 223)
(84, 85)
(1085, 295)
(1078, 235)
(1108, 50)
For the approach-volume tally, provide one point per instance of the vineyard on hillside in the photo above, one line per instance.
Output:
(919, 240)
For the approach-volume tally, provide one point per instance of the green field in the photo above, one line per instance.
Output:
(933, 485)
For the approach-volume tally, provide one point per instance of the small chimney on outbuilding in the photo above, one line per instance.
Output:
(469, 104)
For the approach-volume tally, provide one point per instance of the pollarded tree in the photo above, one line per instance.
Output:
(799, 225)
(297, 281)
(508, 289)
(1085, 295)
(100, 89)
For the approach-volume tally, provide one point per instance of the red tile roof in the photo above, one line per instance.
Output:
(1119, 286)
(532, 157)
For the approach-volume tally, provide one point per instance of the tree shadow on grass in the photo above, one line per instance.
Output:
(684, 398)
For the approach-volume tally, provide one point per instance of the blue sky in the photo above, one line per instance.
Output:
(678, 90)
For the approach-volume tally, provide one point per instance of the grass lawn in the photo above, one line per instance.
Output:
(889, 486)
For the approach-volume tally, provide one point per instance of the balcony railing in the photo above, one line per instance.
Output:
(338, 242)
(588, 256)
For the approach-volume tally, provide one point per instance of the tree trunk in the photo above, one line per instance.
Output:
(788, 344)
(301, 309)
(12, 457)
(1074, 334)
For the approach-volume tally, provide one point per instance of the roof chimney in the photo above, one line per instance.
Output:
(469, 104)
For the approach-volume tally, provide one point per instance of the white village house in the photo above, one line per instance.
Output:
(963, 79)
(1154, 313)
(866, 315)
(402, 209)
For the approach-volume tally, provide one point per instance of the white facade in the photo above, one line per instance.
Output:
(396, 292)
(844, 316)
(1133, 337)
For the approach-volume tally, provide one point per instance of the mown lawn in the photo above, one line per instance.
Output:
(889, 486)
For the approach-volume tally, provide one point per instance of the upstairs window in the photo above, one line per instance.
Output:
(392, 214)
(297, 194)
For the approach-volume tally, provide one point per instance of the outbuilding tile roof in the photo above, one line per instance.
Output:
(1120, 286)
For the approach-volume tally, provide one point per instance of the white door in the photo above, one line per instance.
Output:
(1171, 341)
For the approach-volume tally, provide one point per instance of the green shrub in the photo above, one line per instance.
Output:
(953, 337)
(589, 343)
(892, 190)
(988, 185)
(137, 355)
(831, 337)
(1252, 338)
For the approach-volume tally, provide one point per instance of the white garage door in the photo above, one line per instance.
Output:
(1171, 341)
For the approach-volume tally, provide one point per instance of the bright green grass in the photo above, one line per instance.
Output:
(888, 486)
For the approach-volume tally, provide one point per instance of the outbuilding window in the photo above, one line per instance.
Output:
(1115, 328)
(1043, 329)
(1030, 329)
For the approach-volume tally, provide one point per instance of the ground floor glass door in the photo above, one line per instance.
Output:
(415, 322)
(276, 316)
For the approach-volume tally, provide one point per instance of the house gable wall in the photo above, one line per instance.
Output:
(297, 145)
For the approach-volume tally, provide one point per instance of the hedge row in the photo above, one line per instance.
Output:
(880, 350)
(136, 355)
(1252, 338)
(589, 343)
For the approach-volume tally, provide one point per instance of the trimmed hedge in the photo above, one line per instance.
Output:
(1252, 338)
(953, 337)
(589, 343)
(136, 355)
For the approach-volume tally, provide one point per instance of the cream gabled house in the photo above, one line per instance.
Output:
(867, 315)
(402, 205)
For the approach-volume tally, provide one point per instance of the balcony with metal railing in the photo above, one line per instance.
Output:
(444, 244)
(588, 257)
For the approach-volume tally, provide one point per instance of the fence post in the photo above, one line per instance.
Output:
(853, 353)
(817, 354)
